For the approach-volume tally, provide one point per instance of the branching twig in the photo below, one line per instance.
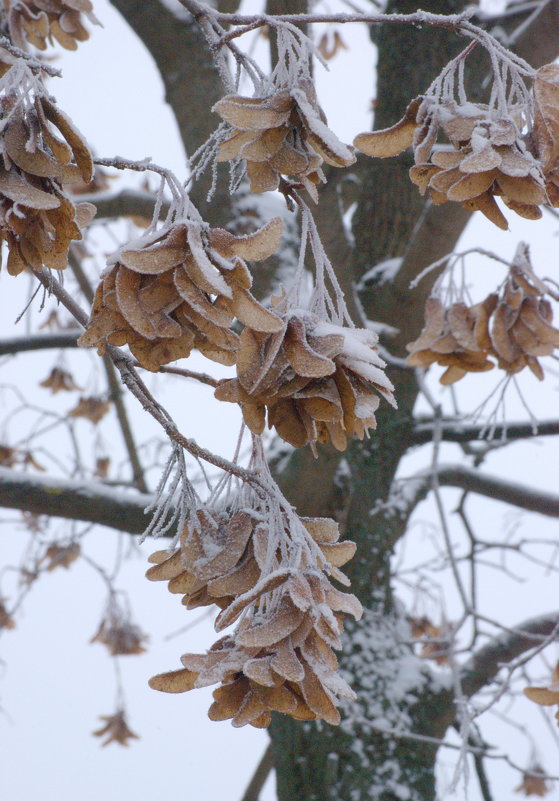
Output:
(485, 663)
(115, 391)
(142, 394)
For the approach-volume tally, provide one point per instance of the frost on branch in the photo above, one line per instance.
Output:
(508, 148)
(37, 218)
(512, 325)
(269, 572)
(42, 22)
(180, 287)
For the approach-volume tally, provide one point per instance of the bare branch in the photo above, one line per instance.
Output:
(133, 382)
(423, 432)
(454, 22)
(55, 339)
(498, 490)
(126, 203)
(192, 84)
(69, 339)
(89, 501)
(115, 389)
(416, 489)
(484, 665)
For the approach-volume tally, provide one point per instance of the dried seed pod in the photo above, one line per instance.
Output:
(513, 326)
(180, 288)
(284, 133)
(270, 572)
(488, 156)
(41, 23)
(116, 729)
(38, 221)
(318, 381)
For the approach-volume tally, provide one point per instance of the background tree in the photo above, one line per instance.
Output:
(388, 741)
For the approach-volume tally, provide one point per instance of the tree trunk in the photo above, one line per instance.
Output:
(395, 690)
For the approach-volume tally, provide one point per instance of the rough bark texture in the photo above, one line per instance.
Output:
(358, 762)
(192, 84)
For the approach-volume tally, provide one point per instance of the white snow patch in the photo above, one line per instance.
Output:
(381, 273)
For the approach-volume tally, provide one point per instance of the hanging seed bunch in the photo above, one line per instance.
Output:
(508, 148)
(318, 378)
(270, 573)
(60, 380)
(43, 22)
(282, 130)
(181, 287)
(116, 729)
(116, 631)
(534, 782)
(512, 326)
(41, 149)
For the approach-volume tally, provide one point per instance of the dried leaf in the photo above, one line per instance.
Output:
(175, 681)
(545, 131)
(391, 141)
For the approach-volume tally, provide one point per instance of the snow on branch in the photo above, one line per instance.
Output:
(54, 339)
(484, 665)
(408, 493)
(89, 501)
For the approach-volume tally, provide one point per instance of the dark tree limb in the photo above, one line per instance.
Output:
(423, 432)
(89, 501)
(263, 769)
(125, 203)
(192, 85)
(54, 339)
(484, 665)
(519, 495)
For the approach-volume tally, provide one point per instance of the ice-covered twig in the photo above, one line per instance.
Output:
(31, 62)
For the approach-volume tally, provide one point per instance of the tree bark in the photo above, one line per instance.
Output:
(358, 761)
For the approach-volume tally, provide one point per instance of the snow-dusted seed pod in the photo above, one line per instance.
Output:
(41, 149)
(180, 288)
(512, 326)
(490, 154)
(275, 583)
(284, 133)
(43, 22)
(317, 381)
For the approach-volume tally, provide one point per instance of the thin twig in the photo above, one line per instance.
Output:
(31, 62)
(115, 390)
(137, 387)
